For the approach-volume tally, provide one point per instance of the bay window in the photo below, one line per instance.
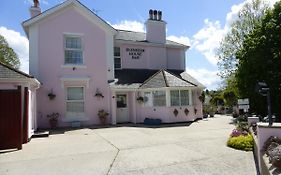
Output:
(159, 98)
(179, 97)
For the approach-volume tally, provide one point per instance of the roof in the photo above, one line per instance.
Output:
(189, 78)
(9, 72)
(140, 37)
(163, 78)
(61, 6)
(130, 76)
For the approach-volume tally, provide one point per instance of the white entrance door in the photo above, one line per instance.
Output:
(122, 113)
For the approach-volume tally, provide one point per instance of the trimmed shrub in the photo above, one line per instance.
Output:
(242, 142)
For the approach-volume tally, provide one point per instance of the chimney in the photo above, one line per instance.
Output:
(35, 9)
(155, 27)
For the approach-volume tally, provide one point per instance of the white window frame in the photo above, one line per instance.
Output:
(73, 49)
(73, 101)
(179, 90)
(164, 98)
(119, 57)
(148, 102)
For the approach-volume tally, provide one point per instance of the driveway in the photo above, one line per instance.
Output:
(198, 148)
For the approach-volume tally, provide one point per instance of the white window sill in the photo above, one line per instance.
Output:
(82, 66)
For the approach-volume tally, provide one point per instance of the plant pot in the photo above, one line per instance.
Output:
(53, 123)
(51, 96)
(205, 116)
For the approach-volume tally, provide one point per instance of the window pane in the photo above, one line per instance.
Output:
(121, 101)
(73, 43)
(117, 51)
(175, 98)
(184, 97)
(77, 107)
(75, 93)
(159, 98)
(147, 99)
(73, 57)
(117, 62)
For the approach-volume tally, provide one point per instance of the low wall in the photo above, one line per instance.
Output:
(264, 131)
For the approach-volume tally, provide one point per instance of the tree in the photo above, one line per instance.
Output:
(260, 60)
(7, 54)
(248, 17)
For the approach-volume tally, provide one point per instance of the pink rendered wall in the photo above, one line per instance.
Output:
(166, 113)
(152, 58)
(51, 58)
(175, 59)
(129, 62)
(8, 86)
(264, 132)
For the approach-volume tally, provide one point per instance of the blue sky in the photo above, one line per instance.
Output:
(199, 23)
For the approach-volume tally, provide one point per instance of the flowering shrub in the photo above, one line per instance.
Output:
(241, 142)
(238, 132)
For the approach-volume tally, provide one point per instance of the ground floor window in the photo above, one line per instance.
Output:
(159, 98)
(75, 101)
(179, 97)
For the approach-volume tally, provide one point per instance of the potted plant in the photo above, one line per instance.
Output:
(205, 111)
(103, 115)
(53, 119)
(51, 95)
(140, 99)
(99, 94)
(212, 110)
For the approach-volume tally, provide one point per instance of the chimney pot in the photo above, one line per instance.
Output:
(35, 9)
(159, 15)
(155, 14)
(36, 3)
(151, 14)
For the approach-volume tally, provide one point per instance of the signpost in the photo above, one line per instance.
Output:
(244, 104)
(263, 90)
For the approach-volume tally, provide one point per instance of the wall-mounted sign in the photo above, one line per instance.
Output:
(135, 53)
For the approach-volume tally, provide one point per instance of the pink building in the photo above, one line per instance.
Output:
(88, 65)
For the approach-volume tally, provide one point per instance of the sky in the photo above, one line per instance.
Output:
(201, 24)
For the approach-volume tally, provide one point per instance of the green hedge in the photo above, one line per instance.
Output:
(241, 142)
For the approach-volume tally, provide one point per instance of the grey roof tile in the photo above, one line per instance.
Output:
(9, 72)
(164, 78)
(139, 37)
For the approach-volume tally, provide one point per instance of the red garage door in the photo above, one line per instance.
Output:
(10, 119)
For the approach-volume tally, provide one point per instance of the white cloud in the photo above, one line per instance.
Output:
(130, 25)
(207, 40)
(180, 39)
(19, 44)
(208, 78)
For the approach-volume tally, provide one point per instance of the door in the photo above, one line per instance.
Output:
(122, 113)
(10, 119)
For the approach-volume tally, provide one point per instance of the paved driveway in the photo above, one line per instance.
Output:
(195, 149)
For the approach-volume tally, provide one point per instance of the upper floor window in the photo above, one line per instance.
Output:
(117, 58)
(73, 53)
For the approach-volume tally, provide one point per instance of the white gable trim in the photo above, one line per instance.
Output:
(70, 3)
